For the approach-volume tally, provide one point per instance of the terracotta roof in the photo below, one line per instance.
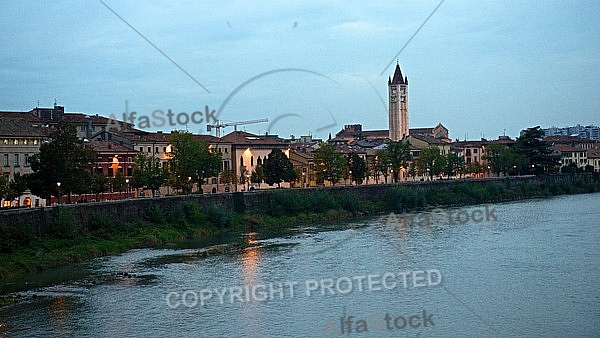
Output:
(209, 139)
(103, 146)
(567, 148)
(20, 127)
(27, 116)
(244, 138)
(593, 153)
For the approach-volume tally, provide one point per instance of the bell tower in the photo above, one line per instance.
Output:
(398, 105)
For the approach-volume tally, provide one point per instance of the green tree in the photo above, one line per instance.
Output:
(329, 164)
(17, 186)
(4, 186)
(278, 168)
(191, 160)
(228, 177)
(501, 158)
(431, 161)
(66, 160)
(258, 175)
(357, 167)
(381, 163)
(398, 154)
(147, 173)
(454, 165)
(535, 150)
(118, 182)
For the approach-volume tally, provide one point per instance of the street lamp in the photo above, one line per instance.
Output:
(350, 174)
(58, 184)
(127, 192)
(248, 180)
(189, 184)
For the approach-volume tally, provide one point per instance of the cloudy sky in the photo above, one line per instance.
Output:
(481, 68)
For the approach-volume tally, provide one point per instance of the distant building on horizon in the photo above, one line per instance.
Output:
(589, 132)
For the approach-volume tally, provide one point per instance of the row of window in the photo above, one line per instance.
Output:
(258, 162)
(16, 160)
(16, 142)
(149, 150)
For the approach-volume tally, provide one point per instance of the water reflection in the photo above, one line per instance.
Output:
(59, 313)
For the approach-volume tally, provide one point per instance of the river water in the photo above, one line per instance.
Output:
(530, 269)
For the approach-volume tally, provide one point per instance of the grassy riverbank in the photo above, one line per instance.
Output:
(24, 249)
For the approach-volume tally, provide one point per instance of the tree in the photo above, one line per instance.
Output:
(454, 164)
(4, 186)
(258, 175)
(329, 164)
(357, 167)
(278, 168)
(431, 161)
(118, 182)
(501, 158)
(381, 163)
(191, 160)
(17, 186)
(228, 177)
(398, 154)
(66, 160)
(535, 150)
(147, 173)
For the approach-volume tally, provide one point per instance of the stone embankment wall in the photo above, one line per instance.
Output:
(134, 209)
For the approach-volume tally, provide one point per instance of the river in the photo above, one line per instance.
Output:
(526, 268)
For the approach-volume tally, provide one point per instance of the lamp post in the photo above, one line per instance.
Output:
(127, 191)
(189, 185)
(350, 174)
(248, 181)
(58, 185)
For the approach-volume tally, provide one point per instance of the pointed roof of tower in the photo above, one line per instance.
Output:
(398, 78)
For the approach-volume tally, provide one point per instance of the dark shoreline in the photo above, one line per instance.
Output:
(37, 240)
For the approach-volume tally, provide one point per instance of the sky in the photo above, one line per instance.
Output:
(481, 68)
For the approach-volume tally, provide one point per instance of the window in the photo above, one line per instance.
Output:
(141, 148)
(259, 161)
(475, 151)
(82, 128)
(16, 160)
(164, 149)
(403, 90)
(99, 171)
(403, 99)
(149, 149)
(111, 172)
(241, 161)
(129, 159)
(5, 160)
(26, 142)
(27, 160)
(251, 161)
(225, 150)
(36, 142)
(156, 149)
(5, 141)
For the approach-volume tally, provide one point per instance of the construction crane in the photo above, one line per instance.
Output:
(219, 125)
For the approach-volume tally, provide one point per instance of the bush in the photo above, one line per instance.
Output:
(104, 225)
(155, 214)
(217, 215)
(65, 224)
(15, 237)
